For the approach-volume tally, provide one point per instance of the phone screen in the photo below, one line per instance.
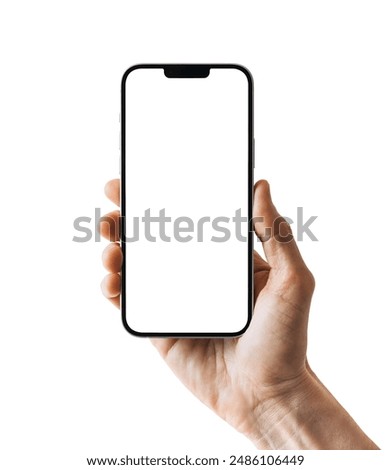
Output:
(186, 197)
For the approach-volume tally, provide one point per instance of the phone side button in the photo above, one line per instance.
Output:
(254, 153)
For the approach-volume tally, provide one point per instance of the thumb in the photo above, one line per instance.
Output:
(274, 231)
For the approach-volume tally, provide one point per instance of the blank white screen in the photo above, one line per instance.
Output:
(187, 152)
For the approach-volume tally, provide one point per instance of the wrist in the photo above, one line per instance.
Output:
(304, 415)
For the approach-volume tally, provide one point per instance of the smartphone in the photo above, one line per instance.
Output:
(186, 199)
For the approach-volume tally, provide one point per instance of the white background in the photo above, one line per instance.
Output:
(73, 382)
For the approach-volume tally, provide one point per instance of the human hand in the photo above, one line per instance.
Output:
(259, 383)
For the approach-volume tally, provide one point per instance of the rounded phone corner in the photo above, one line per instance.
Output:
(245, 71)
(130, 330)
(241, 332)
(129, 70)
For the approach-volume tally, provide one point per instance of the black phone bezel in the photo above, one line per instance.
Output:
(190, 70)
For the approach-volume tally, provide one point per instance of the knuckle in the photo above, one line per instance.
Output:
(301, 280)
(282, 230)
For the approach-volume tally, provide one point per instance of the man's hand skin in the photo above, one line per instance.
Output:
(260, 383)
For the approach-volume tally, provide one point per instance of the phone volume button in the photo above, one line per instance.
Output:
(253, 153)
